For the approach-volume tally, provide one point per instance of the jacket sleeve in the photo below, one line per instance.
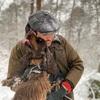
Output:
(14, 67)
(75, 64)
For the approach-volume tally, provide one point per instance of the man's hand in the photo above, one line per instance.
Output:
(67, 86)
(25, 41)
(64, 89)
(57, 95)
(7, 82)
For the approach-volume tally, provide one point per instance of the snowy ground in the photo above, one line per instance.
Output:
(81, 90)
(5, 92)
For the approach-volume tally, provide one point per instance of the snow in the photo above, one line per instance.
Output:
(5, 92)
(6, 3)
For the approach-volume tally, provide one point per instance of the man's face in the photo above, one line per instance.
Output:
(48, 38)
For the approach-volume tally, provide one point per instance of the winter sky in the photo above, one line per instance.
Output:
(6, 3)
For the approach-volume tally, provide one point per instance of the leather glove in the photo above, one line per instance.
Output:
(57, 95)
(67, 85)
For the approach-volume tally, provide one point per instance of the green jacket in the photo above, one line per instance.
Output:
(66, 58)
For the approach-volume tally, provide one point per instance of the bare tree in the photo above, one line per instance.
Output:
(97, 15)
(71, 21)
(57, 6)
(16, 20)
(38, 4)
(32, 7)
(79, 31)
(99, 68)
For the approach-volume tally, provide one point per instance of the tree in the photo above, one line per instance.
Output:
(71, 21)
(38, 4)
(32, 7)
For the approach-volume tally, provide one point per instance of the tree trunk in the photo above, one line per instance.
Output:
(99, 68)
(32, 7)
(16, 22)
(57, 6)
(38, 5)
(71, 22)
(97, 16)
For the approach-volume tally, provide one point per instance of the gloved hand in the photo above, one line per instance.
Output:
(65, 88)
(57, 95)
(67, 85)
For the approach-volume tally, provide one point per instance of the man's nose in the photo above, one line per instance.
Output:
(47, 38)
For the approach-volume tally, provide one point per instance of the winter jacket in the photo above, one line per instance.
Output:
(67, 59)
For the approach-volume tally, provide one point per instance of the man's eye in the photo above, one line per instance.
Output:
(39, 40)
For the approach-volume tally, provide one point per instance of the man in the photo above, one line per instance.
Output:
(41, 27)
